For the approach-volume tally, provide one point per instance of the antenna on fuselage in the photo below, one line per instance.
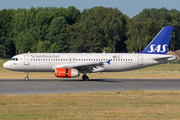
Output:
(28, 52)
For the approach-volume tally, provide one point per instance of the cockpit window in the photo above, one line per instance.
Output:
(14, 59)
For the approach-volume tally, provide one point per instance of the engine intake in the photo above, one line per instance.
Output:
(66, 72)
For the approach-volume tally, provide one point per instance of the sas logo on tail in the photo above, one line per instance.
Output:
(158, 48)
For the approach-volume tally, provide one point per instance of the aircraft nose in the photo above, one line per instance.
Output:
(5, 65)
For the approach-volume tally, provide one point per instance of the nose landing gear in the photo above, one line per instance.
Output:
(27, 78)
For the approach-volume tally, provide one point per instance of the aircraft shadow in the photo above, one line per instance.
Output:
(93, 80)
(65, 80)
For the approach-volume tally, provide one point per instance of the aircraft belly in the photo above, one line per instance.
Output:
(115, 67)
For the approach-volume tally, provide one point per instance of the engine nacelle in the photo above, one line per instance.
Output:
(66, 72)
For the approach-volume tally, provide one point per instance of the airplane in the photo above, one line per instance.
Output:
(68, 65)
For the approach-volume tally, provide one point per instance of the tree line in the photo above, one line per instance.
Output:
(97, 29)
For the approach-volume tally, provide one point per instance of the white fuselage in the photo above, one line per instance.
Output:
(46, 62)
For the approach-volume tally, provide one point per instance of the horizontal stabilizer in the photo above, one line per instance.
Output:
(169, 57)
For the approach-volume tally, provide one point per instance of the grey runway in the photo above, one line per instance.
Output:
(36, 86)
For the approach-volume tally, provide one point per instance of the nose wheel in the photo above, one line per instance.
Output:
(27, 78)
(85, 77)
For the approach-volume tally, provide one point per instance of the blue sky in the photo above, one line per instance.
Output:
(128, 7)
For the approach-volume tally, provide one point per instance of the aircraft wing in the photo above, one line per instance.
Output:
(86, 66)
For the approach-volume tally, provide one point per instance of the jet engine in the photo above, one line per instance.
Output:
(66, 72)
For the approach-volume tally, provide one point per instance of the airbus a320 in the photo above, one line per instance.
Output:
(72, 64)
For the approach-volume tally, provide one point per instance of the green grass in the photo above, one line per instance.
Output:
(125, 105)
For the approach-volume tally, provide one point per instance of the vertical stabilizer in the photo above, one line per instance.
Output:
(159, 45)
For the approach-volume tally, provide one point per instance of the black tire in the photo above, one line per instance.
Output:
(26, 78)
(85, 78)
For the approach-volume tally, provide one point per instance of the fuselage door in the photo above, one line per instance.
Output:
(26, 59)
(140, 60)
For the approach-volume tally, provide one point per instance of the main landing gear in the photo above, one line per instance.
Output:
(27, 78)
(85, 77)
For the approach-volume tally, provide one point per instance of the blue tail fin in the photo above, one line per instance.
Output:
(159, 45)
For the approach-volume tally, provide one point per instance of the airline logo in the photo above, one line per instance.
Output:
(158, 48)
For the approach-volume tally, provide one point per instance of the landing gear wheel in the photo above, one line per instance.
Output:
(26, 78)
(85, 78)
